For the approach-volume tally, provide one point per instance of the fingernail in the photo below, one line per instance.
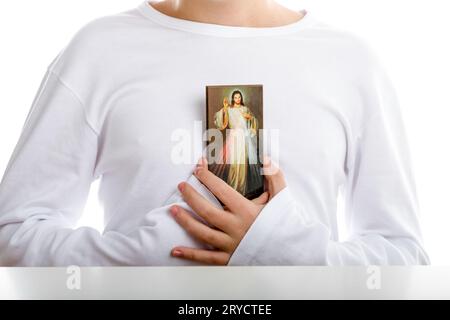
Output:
(177, 253)
(174, 211)
(202, 162)
(197, 171)
(181, 186)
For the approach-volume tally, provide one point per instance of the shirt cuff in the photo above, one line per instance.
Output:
(262, 229)
(200, 188)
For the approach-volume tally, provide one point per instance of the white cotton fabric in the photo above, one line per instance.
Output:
(112, 99)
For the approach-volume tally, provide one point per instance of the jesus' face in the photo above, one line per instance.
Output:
(237, 99)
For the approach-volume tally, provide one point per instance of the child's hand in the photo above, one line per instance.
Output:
(231, 224)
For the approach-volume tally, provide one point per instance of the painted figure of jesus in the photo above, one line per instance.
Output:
(240, 150)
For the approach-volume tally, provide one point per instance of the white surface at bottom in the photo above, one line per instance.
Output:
(228, 283)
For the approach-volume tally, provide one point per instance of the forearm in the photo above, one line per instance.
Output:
(283, 234)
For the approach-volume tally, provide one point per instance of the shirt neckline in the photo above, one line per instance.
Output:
(222, 30)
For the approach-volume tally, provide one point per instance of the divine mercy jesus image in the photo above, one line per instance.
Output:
(237, 161)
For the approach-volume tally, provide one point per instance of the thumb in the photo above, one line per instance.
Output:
(274, 176)
(203, 163)
(262, 199)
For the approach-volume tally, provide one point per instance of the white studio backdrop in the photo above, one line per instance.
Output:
(412, 38)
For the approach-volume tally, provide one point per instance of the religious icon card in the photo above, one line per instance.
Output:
(234, 118)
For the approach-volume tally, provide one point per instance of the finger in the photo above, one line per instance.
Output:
(202, 163)
(224, 192)
(204, 208)
(202, 232)
(274, 176)
(209, 257)
(269, 166)
(262, 199)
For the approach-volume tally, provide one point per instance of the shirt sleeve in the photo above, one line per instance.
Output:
(381, 207)
(45, 186)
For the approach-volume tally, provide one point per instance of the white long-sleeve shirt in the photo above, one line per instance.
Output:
(112, 99)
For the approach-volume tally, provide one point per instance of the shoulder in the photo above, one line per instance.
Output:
(99, 38)
(356, 53)
(337, 37)
(344, 56)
